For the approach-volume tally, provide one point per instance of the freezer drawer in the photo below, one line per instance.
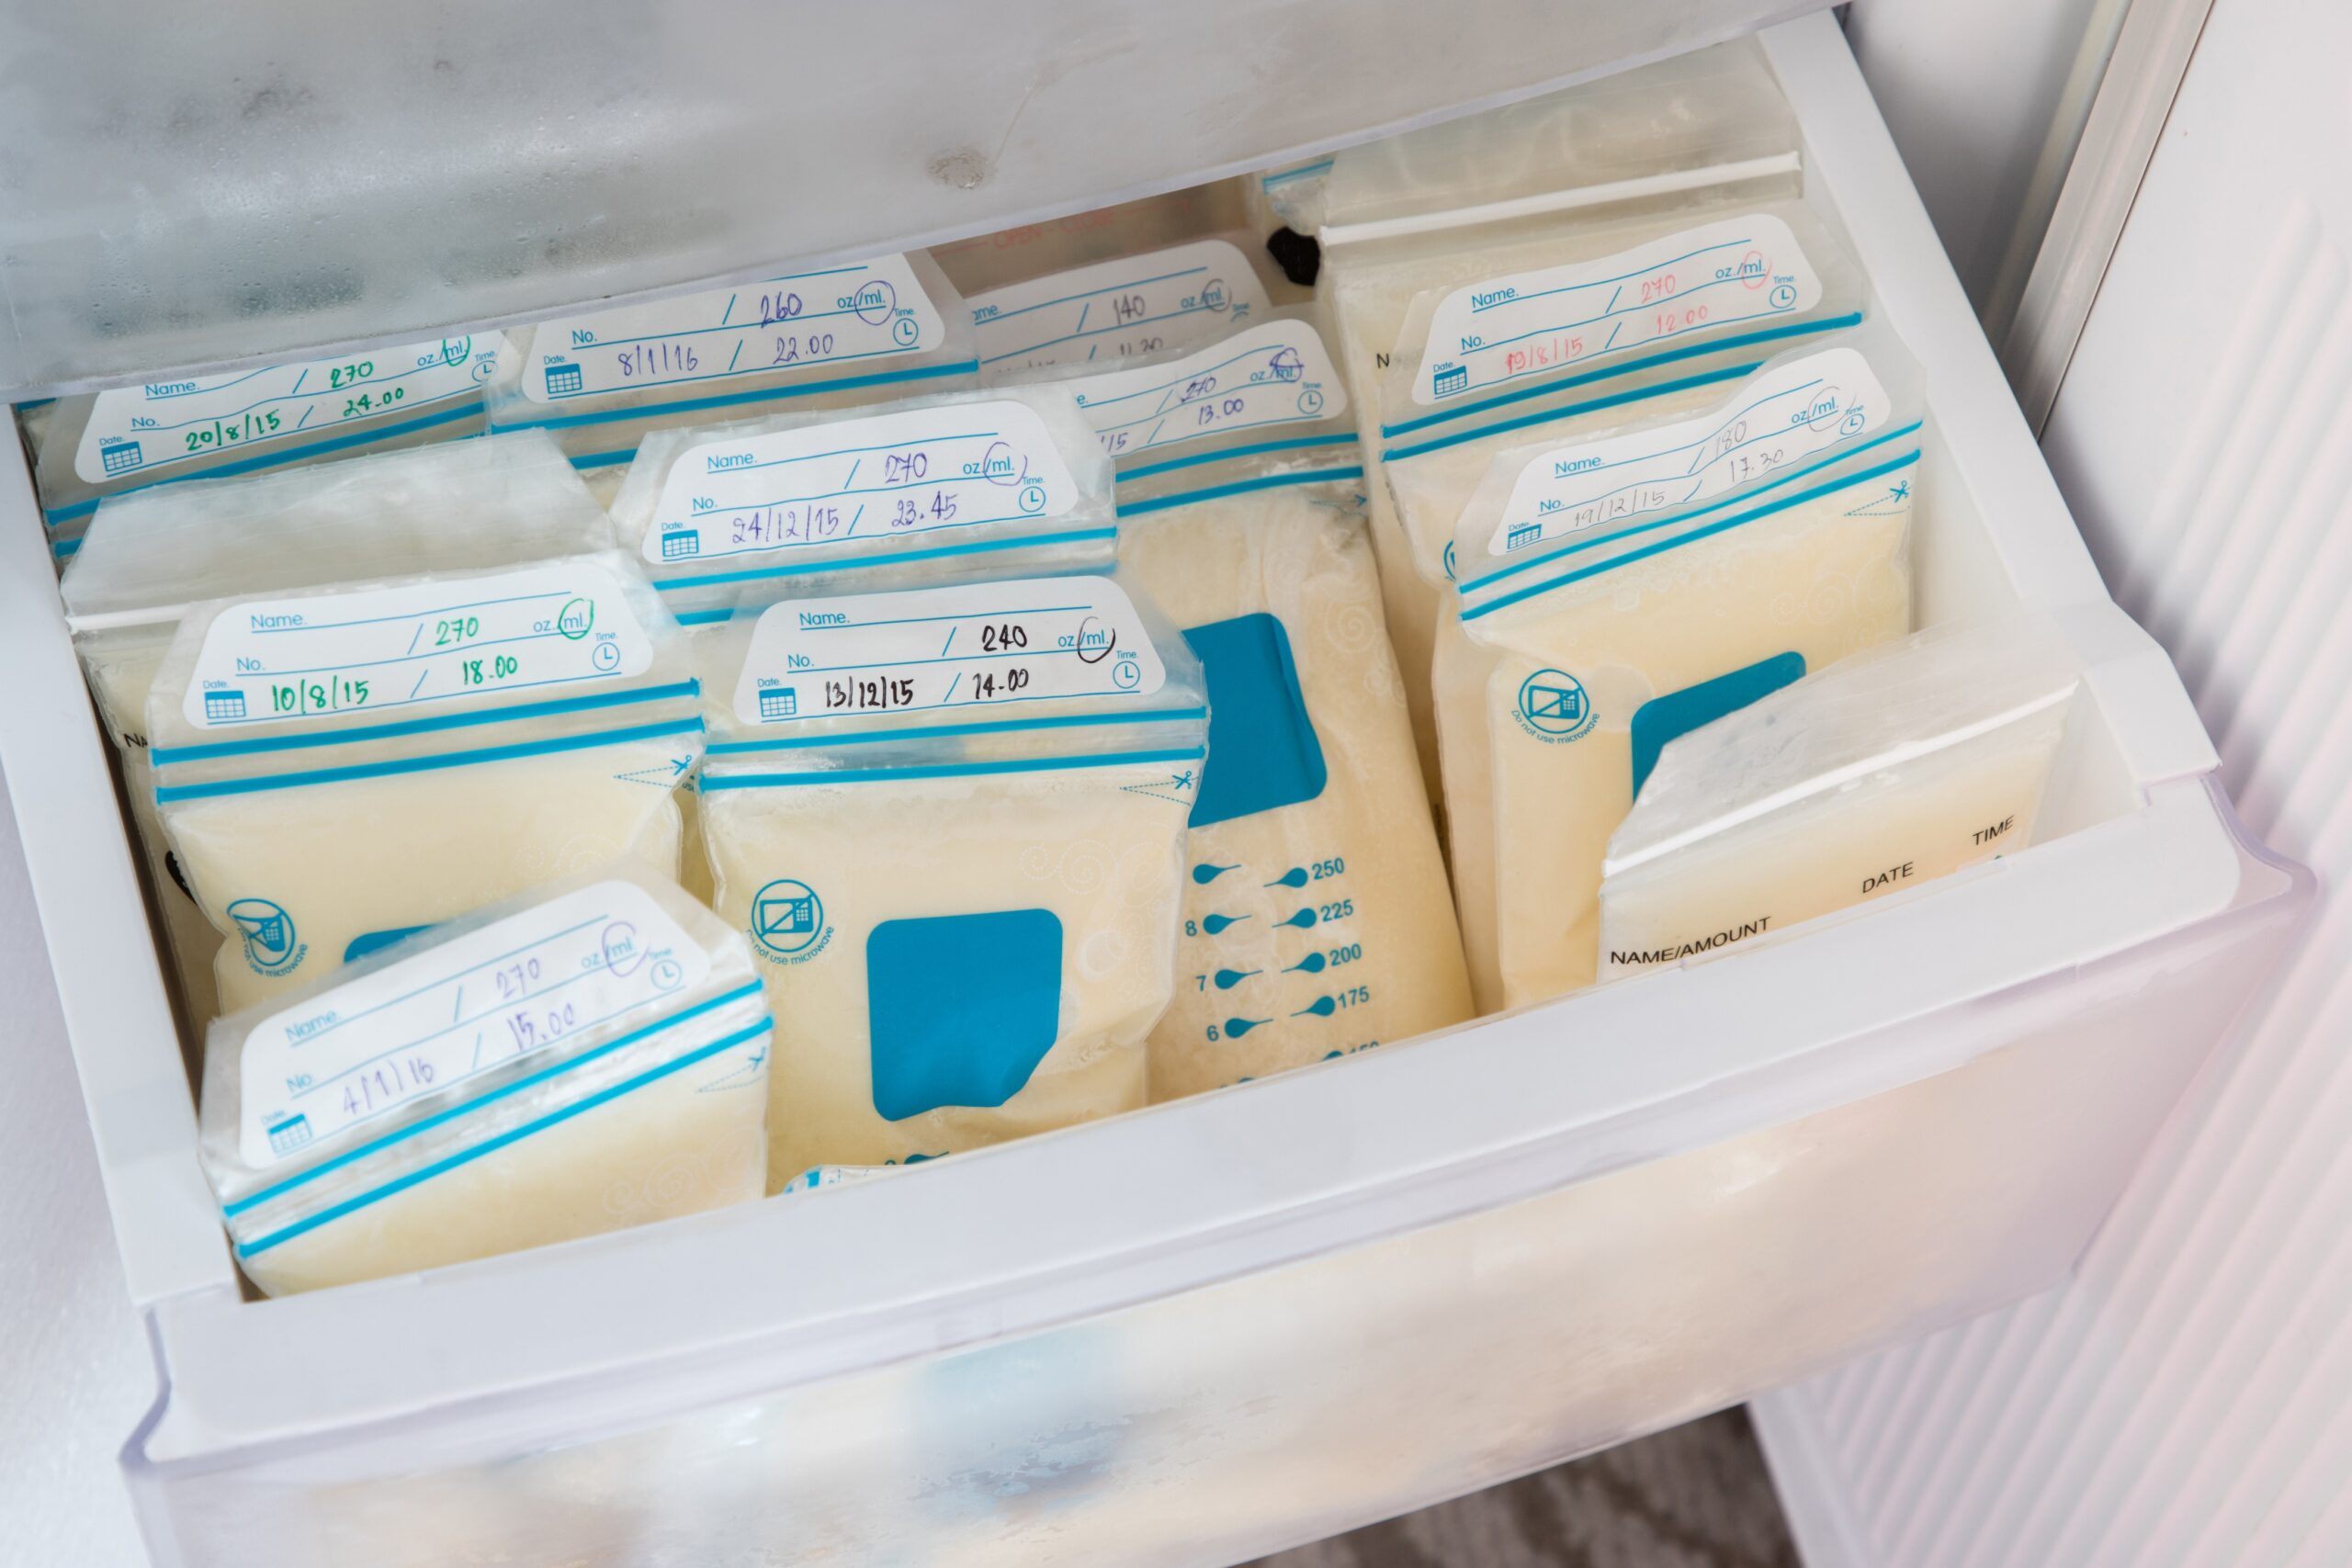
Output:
(1672, 1263)
(1220, 1326)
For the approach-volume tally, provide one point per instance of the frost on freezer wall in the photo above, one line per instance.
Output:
(173, 178)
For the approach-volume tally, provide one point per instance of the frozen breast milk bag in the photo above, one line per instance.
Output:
(950, 820)
(1614, 321)
(736, 516)
(1317, 915)
(1477, 198)
(337, 767)
(146, 556)
(243, 422)
(1631, 587)
(1887, 770)
(590, 1055)
(833, 338)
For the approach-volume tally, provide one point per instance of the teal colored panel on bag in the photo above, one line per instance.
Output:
(1262, 749)
(960, 1008)
(1660, 719)
(366, 943)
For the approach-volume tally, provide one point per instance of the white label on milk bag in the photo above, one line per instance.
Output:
(1776, 420)
(1117, 310)
(165, 425)
(1276, 374)
(550, 974)
(960, 645)
(840, 315)
(276, 661)
(1535, 323)
(955, 465)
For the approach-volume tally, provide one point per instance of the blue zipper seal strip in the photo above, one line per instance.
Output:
(166, 793)
(1471, 612)
(946, 771)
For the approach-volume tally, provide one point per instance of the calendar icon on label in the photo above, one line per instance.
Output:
(779, 702)
(291, 1134)
(678, 547)
(119, 456)
(562, 380)
(224, 705)
(1451, 379)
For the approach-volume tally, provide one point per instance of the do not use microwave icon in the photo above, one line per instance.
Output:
(1561, 703)
(784, 917)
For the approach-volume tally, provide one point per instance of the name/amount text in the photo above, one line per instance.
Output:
(1638, 957)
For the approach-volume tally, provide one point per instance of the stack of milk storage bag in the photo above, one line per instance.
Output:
(388, 713)
(1318, 921)
(953, 752)
(1640, 454)
(128, 585)
(975, 720)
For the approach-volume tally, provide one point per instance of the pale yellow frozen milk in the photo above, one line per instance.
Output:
(1081, 861)
(1459, 668)
(1883, 772)
(1575, 672)
(1621, 589)
(1418, 209)
(474, 502)
(1317, 915)
(1458, 343)
(351, 860)
(950, 820)
(189, 940)
(1366, 315)
(534, 722)
(1316, 918)
(589, 1056)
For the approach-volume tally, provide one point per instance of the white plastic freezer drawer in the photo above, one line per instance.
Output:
(1217, 1327)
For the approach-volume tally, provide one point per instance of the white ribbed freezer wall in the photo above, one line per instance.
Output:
(2188, 1399)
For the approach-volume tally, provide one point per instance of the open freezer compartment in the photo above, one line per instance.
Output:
(1219, 1328)
(1224, 1326)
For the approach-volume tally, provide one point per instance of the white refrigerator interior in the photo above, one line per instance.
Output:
(1209, 1330)
(2183, 1398)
